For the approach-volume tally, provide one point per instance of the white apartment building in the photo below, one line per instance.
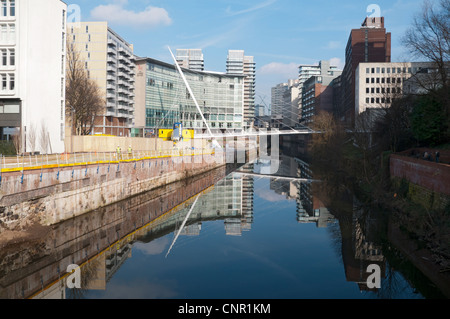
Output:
(32, 73)
(377, 84)
(239, 64)
(110, 61)
(191, 59)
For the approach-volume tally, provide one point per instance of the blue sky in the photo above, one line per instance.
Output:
(280, 34)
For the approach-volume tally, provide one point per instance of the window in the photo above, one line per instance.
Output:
(367, 80)
(4, 57)
(12, 57)
(4, 8)
(12, 32)
(367, 90)
(12, 8)
(12, 82)
(4, 31)
(4, 82)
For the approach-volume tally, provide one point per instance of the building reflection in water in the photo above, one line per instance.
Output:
(101, 242)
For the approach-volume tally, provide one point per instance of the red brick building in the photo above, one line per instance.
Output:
(370, 43)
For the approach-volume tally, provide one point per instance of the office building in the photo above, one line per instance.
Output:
(191, 59)
(163, 99)
(32, 73)
(378, 84)
(280, 96)
(109, 60)
(291, 113)
(318, 93)
(370, 43)
(305, 72)
(239, 64)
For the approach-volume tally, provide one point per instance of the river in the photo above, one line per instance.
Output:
(235, 233)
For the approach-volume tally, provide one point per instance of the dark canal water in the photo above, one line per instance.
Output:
(232, 233)
(260, 237)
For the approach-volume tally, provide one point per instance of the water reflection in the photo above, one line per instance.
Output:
(231, 233)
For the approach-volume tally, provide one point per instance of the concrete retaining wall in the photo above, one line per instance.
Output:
(50, 196)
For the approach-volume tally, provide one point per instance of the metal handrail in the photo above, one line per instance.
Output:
(40, 161)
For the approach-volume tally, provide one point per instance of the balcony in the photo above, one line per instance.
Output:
(110, 95)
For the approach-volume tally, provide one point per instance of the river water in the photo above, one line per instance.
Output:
(234, 233)
(253, 236)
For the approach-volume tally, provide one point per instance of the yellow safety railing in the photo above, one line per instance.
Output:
(39, 162)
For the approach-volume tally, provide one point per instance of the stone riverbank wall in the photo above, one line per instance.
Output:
(428, 182)
(50, 194)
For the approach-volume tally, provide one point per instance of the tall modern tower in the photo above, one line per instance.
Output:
(191, 59)
(239, 64)
(370, 43)
(32, 73)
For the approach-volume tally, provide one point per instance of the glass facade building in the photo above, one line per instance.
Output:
(162, 98)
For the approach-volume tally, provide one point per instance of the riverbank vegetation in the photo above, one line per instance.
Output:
(358, 157)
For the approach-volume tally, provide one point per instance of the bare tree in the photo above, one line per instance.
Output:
(429, 39)
(17, 140)
(44, 139)
(83, 97)
(31, 137)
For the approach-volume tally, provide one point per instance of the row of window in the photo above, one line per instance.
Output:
(385, 80)
(8, 8)
(383, 90)
(398, 70)
(378, 100)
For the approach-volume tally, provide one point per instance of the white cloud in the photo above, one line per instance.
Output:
(289, 70)
(254, 8)
(155, 247)
(116, 14)
(334, 45)
(337, 62)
